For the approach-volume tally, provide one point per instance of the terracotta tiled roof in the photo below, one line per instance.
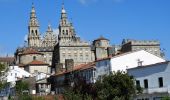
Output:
(84, 66)
(78, 68)
(30, 51)
(7, 59)
(36, 62)
(20, 65)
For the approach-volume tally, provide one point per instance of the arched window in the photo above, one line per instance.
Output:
(36, 32)
(63, 32)
(32, 31)
(66, 32)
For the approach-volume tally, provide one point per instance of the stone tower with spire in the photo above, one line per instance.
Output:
(33, 30)
(43, 45)
(70, 49)
(66, 29)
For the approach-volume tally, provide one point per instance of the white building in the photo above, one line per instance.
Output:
(125, 61)
(15, 72)
(154, 79)
(11, 77)
(41, 75)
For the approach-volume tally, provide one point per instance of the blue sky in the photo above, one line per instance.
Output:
(114, 19)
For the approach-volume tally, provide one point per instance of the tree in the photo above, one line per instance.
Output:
(79, 91)
(72, 95)
(21, 86)
(166, 98)
(2, 68)
(116, 86)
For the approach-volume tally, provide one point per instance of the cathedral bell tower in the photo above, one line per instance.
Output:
(66, 29)
(33, 29)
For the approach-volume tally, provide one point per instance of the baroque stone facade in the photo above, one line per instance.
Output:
(43, 45)
(70, 46)
(34, 38)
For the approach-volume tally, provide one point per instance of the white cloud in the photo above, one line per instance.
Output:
(84, 2)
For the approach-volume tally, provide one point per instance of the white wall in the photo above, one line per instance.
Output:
(125, 61)
(16, 72)
(41, 75)
(39, 68)
(102, 68)
(152, 73)
(130, 60)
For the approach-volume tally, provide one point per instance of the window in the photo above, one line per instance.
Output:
(81, 57)
(36, 32)
(32, 31)
(34, 58)
(75, 56)
(160, 79)
(66, 32)
(137, 83)
(63, 55)
(69, 56)
(146, 83)
(87, 57)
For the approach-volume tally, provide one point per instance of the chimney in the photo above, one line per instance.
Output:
(69, 63)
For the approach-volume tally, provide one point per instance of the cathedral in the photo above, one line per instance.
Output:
(43, 45)
(64, 51)
(70, 49)
(61, 52)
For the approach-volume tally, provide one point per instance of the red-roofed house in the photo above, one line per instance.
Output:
(37, 66)
(28, 55)
(67, 77)
(33, 61)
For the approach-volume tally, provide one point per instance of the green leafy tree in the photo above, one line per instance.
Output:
(72, 95)
(21, 86)
(3, 83)
(116, 86)
(2, 68)
(79, 91)
(166, 98)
